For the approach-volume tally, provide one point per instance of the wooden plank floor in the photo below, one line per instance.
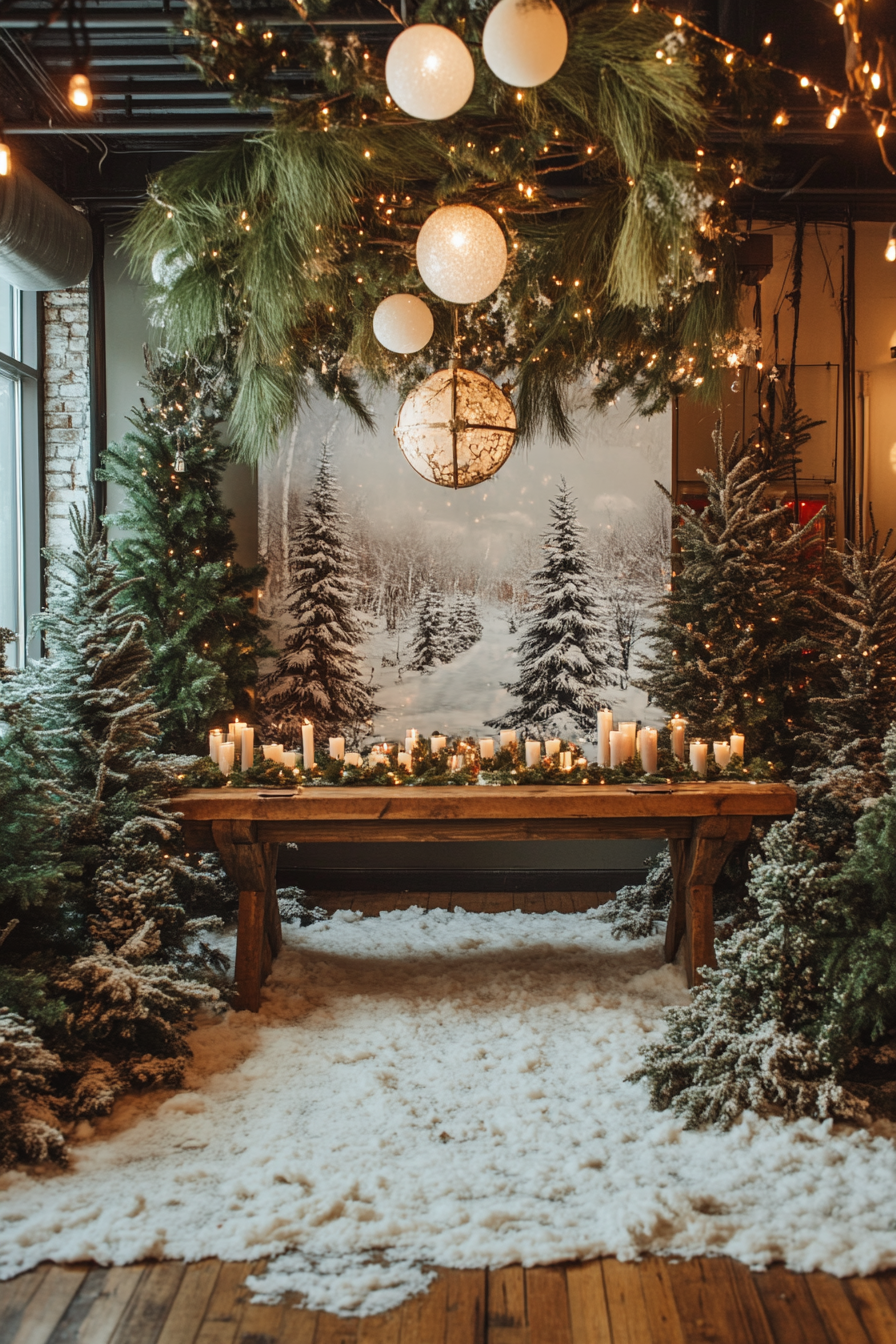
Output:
(656, 1301)
(706, 1301)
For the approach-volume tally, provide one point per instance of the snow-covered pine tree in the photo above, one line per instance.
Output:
(464, 622)
(201, 625)
(116, 952)
(432, 634)
(318, 677)
(28, 1121)
(732, 641)
(803, 987)
(561, 663)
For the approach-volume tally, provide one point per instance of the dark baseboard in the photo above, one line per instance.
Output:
(430, 879)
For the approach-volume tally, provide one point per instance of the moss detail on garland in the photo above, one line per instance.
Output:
(271, 254)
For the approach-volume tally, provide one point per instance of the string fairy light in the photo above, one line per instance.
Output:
(861, 89)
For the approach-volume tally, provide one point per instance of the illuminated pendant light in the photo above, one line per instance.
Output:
(80, 94)
(524, 42)
(429, 72)
(5, 160)
(403, 323)
(457, 428)
(461, 253)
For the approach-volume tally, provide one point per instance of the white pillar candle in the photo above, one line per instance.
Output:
(630, 731)
(437, 744)
(676, 732)
(307, 745)
(533, 753)
(273, 752)
(736, 742)
(215, 738)
(604, 729)
(353, 758)
(618, 744)
(508, 737)
(552, 746)
(410, 739)
(698, 758)
(405, 759)
(247, 749)
(648, 751)
(722, 754)
(289, 760)
(377, 758)
(225, 758)
(487, 748)
(337, 748)
(236, 736)
(565, 760)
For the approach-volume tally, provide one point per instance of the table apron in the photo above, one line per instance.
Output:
(198, 834)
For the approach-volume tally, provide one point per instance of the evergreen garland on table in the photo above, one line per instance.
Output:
(561, 666)
(318, 677)
(271, 253)
(735, 639)
(178, 552)
(97, 949)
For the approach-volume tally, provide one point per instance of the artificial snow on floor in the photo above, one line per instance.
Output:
(435, 1088)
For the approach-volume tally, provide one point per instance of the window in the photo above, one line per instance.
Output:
(20, 503)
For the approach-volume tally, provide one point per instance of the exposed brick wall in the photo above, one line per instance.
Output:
(66, 408)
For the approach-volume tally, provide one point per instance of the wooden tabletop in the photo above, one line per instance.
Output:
(476, 803)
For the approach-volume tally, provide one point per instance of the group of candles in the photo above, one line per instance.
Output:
(615, 746)
(697, 750)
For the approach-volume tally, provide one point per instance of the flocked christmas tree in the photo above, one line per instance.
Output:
(319, 677)
(199, 605)
(803, 987)
(732, 647)
(561, 666)
(103, 963)
(465, 622)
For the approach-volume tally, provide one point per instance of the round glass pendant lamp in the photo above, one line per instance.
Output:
(524, 42)
(402, 323)
(461, 253)
(429, 72)
(457, 428)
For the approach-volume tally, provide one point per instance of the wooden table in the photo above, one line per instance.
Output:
(702, 822)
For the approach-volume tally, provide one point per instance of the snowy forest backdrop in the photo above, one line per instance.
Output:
(445, 589)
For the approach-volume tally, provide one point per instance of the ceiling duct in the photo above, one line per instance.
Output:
(44, 243)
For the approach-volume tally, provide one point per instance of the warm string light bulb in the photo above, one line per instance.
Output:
(80, 94)
(890, 252)
(5, 159)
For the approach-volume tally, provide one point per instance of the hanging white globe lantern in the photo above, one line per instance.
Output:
(524, 41)
(457, 428)
(402, 323)
(461, 253)
(429, 72)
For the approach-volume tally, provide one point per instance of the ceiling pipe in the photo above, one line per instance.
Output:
(143, 19)
(212, 124)
(44, 243)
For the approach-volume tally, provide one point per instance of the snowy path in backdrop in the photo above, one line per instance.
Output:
(446, 1088)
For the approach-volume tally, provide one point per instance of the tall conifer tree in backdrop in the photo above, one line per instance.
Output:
(202, 628)
(732, 643)
(430, 636)
(319, 676)
(561, 666)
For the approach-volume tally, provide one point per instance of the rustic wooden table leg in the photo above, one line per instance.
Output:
(713, 840)
(678, 850)
(253, 867)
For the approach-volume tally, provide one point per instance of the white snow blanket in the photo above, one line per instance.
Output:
(435, 1088)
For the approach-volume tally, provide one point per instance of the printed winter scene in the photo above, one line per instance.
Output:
(524, 602)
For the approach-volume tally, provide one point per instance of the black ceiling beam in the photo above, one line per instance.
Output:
(143, 19)
(215, 124)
